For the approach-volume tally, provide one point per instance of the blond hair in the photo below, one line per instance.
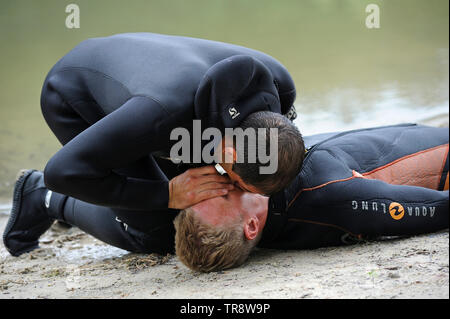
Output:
(206, 248)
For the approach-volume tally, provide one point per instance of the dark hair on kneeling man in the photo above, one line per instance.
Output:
(291, 153)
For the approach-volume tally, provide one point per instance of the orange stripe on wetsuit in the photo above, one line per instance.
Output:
(423, 168)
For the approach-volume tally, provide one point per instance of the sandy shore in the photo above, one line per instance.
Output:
(72, 264)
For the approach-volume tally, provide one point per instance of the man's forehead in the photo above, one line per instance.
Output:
(213, 214)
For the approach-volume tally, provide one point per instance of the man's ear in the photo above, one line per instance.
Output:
(251, 228)
(228, 153)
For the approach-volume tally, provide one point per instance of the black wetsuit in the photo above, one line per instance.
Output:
(112, 102)
(348, 190)
(363, 184)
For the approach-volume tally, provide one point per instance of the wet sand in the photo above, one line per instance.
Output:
(72, 264)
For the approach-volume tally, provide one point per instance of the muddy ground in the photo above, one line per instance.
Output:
(72, 264)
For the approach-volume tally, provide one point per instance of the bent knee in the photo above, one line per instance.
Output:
(52, 177)
(56, 177)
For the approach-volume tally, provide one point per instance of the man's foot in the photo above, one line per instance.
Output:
(28, 219)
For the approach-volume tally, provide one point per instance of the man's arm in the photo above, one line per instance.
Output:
(84, 167)
(372, 208)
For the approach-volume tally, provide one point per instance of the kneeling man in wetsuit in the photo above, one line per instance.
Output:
(113, 103)
(353, 186)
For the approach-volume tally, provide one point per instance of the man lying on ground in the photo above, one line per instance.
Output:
(353, 186)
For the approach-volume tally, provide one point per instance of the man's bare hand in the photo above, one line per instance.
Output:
(196, 185)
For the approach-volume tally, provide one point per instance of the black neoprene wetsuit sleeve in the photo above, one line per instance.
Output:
(84, 167)
(373, 208)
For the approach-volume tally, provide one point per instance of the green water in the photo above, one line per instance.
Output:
(338, 64)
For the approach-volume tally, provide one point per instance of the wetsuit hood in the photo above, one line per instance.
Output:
(235, 87)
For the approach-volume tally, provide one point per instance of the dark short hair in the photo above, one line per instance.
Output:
(291, 152)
